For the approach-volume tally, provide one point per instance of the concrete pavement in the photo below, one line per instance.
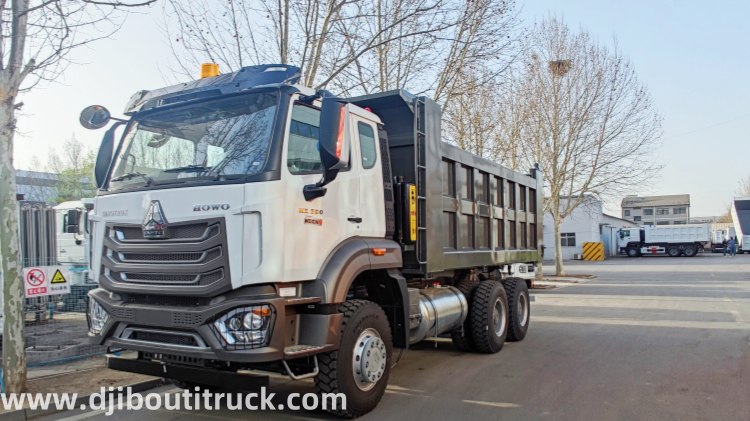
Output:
(650, 338)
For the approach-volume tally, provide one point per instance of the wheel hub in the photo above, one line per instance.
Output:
(523, 310)
(498, 317)
(369, 359)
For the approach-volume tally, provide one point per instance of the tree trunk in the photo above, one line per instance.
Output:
(559, 270)
(14, 356)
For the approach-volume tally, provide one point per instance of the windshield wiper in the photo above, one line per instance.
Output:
(149, 181)
(195, 168)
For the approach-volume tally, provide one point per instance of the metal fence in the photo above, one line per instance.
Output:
(55, 325)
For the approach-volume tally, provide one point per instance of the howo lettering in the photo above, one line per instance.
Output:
(330, 231)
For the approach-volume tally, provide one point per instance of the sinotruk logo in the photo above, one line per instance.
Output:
(155, 223)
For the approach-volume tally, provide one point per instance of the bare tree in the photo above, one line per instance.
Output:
(36, 38)
(744, 188)
(74, 167)
(355, 46)
(588, 121)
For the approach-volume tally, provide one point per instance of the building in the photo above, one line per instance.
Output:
(657, 210)
(587, 223)
(37, 186)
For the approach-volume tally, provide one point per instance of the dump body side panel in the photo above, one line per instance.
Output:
(741, 218)
(700, 233)
(471, 211)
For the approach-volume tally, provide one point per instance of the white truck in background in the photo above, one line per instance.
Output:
(71, 218)
(720, 235)
(672, 240)
(741, 218)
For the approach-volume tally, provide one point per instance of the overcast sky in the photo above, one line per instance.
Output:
(694, 56)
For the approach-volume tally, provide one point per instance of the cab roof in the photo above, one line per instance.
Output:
(243, 79)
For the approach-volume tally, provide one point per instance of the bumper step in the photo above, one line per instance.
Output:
(297, 351)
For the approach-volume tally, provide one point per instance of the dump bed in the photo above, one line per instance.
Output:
(471, 212)
(692, 233)
(741, 217)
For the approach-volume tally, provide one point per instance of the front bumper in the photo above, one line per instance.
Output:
(182, 319)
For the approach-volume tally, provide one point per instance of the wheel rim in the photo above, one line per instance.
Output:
(369, 359)
(523, 309)
(498, 316)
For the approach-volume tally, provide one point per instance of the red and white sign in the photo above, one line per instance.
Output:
(41, 281)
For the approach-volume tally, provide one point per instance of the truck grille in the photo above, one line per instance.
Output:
(163, 337)
(192, 261)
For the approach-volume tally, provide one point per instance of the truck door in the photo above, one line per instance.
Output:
(371, 199)
(314, 228)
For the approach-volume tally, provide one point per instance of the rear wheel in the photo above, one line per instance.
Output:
(519, 310)
(690, 251)
(673, 251)
(461, 336)
(360, 367)
(489, 317)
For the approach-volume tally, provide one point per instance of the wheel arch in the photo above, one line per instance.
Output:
(353, 264)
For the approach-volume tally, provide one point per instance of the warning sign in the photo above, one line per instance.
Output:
(41, 281)
(58, 277)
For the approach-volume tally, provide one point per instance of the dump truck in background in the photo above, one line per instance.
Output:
(244, 222)
(720, 236)
(741, 218)
(672, 240)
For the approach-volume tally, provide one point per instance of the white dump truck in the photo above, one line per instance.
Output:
(741, 218)
(672, 240)
(71, 220)
(246, 223)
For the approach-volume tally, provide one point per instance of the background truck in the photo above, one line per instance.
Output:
(720, 234)
(244, 223)
(741, 218)
(673, 240)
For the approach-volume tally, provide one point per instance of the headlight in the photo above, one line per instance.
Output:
(245, 327)
(97, 317)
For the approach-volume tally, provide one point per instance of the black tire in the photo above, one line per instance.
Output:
(462, 336)
(690, 251)
(673, 251)
(519, 309)
(336, 368)
(488, 313)
(633, 252)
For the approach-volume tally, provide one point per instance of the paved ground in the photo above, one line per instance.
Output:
(651, 338)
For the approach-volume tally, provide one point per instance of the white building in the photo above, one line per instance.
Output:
(587, 223)
(657, 210)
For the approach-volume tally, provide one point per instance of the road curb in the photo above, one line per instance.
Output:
(28, 414)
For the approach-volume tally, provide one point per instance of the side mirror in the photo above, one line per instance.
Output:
(104, 157)
(333, 144)
(72, 221)
(94, 117)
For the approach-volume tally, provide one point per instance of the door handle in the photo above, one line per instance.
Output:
(355, 219)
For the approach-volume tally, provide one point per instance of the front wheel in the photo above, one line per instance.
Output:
(632, 252)
(360, 367)
(489, 317)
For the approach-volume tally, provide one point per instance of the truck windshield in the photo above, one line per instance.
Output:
(214, 140)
